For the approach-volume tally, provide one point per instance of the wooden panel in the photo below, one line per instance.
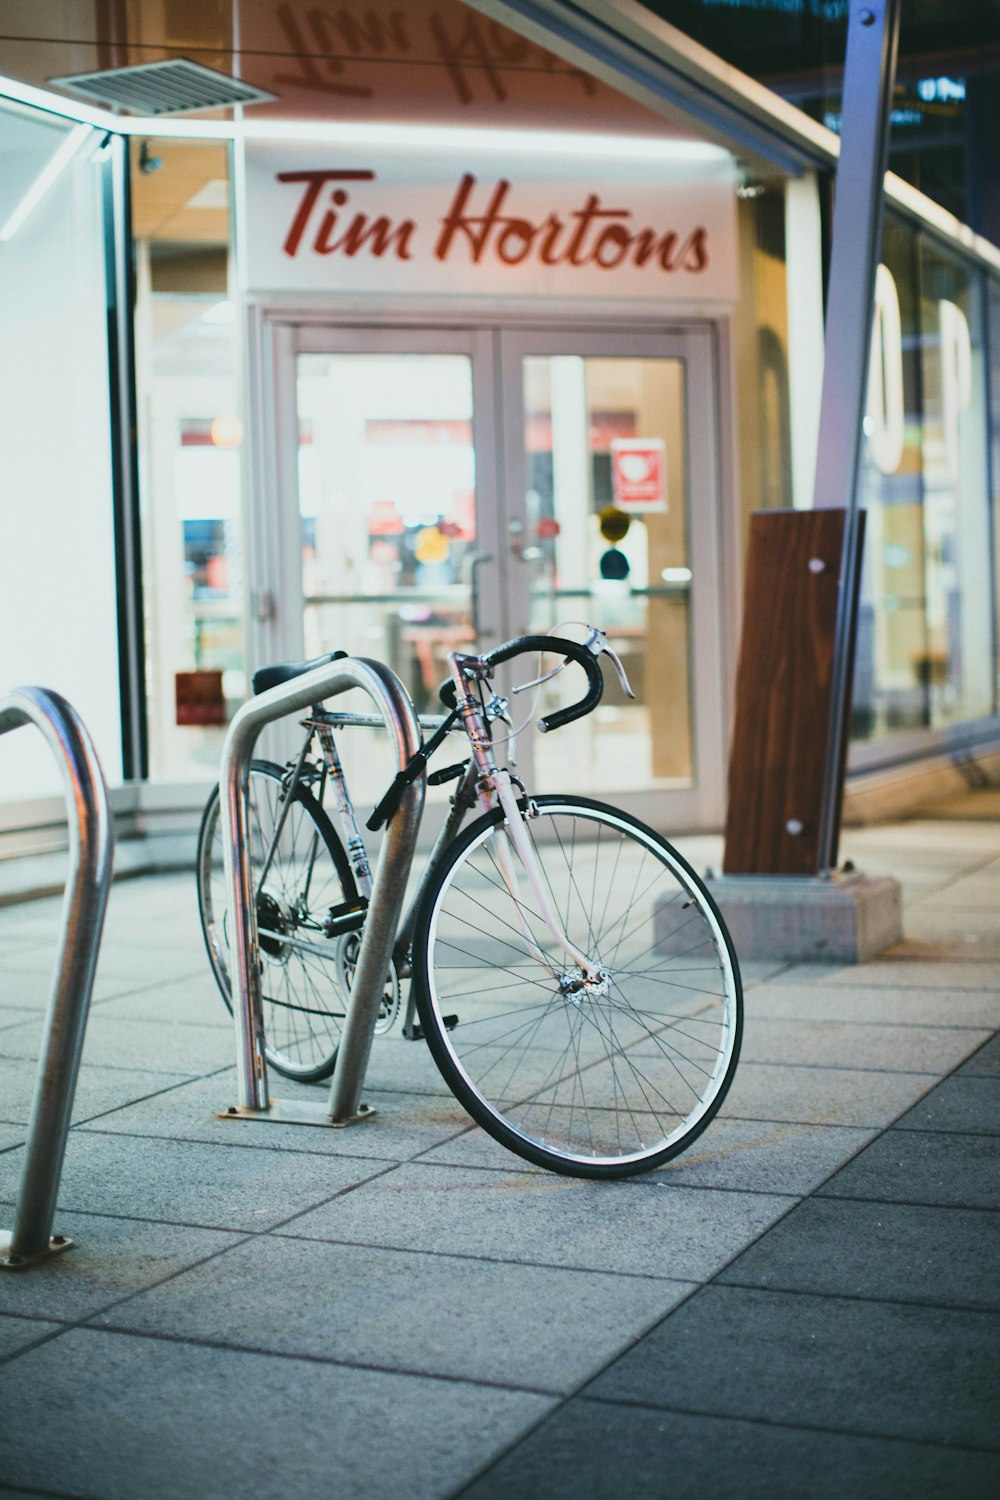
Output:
(781, 724)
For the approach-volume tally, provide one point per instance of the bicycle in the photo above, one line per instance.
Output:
(571, 973)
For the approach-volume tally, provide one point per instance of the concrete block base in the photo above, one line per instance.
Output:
(845, 919)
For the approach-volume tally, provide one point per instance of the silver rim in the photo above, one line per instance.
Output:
(303, 1003)
(618, 1071)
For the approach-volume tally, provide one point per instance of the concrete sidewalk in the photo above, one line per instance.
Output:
(805, 1305)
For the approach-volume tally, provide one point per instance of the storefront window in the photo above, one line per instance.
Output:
(924, 632)
(57, 565)
(191, 440)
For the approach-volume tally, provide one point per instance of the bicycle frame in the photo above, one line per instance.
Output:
(483, 781)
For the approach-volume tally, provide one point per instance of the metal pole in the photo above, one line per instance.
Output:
(90, 857)
(388, 890)
(869, 80)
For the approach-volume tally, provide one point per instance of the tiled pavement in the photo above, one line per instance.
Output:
(805, 1305)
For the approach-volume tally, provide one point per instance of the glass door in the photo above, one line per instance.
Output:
(442, 489)
(392, 463)
(603, 527)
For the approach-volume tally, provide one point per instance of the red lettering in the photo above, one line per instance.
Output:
(586, 216)
(378, 236)
(515, 243)
(314, 183)
(619, 239)
(375, 32)
(694, 256)
(549, 233)
(475, 230)
(647, 245)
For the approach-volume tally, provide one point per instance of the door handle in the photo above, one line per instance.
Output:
(472, 565)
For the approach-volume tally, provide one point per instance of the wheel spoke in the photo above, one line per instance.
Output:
(598, 1071)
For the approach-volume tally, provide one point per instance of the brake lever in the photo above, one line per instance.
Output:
(497, 709)
(597, 642)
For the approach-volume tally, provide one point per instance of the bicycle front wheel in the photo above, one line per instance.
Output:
(304, 974)
(601, 1074)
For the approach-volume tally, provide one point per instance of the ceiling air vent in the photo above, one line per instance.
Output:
(163, 88)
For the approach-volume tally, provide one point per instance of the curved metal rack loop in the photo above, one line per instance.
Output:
(378, 934)
(91, 848)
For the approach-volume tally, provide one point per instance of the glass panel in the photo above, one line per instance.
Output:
(387, 490)
(956, 506)
(607, 539)
(387, 485)
(187, 369)
(924, 627)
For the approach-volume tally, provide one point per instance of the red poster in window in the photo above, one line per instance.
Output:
(200, 698)
(639, 474)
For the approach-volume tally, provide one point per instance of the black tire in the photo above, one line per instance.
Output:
(594, 1080)
(303, 992)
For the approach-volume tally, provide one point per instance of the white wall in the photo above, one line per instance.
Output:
(57, 575)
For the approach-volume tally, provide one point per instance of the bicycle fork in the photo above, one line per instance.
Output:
(517, 834)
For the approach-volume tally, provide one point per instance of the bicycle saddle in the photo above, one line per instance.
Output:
(269, 677)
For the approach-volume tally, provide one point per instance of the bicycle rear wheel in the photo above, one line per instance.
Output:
(595, 1077)
(304, 974)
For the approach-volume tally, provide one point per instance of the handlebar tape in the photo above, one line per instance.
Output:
(572, 651)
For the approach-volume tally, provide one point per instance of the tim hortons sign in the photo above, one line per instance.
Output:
(344, 222)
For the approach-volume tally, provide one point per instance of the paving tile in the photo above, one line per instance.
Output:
(139, 965)
(429, 1314)
(646, 1227)
(191, 1002)
(126, 1416)
(403, 1126)
(977, 892)
(897, 1049)
(11, 1016)
(408, 1066)
(219, 1187)
(110, 1259)
(822, 1096)
(965, 1102)
(944, 937)
(899, 974)
(890, 1251)
(872, 1005)
(881, 1368)
(32, 1494)
(764, 1156)
(17, 1334)
(31, 989)
(976, 923)
(985, 1063)
(11, 1135)
(97, 1089)
(912, 1166)
(592, 1450)
(937, 947)
(113, 1042)
(744, 1155)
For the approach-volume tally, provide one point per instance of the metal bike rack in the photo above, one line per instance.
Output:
(91, 845)
(389, 887)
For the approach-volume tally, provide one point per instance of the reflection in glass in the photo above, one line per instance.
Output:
(607, 543)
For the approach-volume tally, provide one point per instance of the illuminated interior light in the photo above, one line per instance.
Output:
(353, 133)
(49, 174)
(227, 431)
(56, 104)
(675, 575)
(430, 137)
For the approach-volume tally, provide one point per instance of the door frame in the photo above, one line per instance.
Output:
(277, 329)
